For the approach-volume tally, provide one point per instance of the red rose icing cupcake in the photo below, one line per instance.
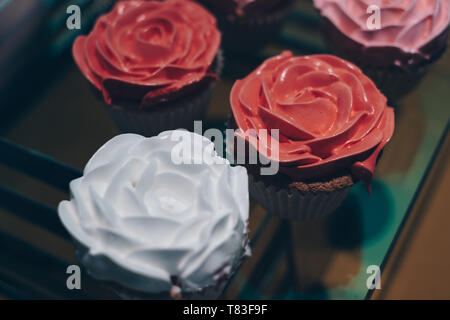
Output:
(411, 35)
(333, 123)
(152, 62)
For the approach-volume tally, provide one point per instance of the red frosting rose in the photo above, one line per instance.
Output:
(149, 50)
(331, 117)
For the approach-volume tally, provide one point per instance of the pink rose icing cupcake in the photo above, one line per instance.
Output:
(153, 62)
(412, 34)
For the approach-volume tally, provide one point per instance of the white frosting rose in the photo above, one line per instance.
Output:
(141, 219)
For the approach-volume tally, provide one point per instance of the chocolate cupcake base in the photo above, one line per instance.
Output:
(169, 116)
(212, 292)
(393, 83)
(250, 34)
(177, 114)
(296, 202)
(394, 72)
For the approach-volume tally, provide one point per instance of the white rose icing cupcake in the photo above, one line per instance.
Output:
(155, 228)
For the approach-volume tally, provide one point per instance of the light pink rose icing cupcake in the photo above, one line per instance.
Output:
(418, 28)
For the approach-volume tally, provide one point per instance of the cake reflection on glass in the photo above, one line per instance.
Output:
(248, 25)
(394, 42)
(153, 63)
(333, 123)
(152, 226)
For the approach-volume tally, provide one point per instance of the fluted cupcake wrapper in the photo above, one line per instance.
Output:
(293, 204)
(179, 114)
(212, 292)
(394, 82)
(207, 293)
(250, 34)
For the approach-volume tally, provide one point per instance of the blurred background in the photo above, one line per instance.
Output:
(51, 123)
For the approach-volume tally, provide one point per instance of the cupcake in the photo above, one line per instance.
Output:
(153, 63)
(159, 217)
(320, 120)
(394, 42)
(248, 25)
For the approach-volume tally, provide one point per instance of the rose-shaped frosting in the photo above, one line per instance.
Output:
(143, 219)
(331, 117)
(405, 24)
(149, 50)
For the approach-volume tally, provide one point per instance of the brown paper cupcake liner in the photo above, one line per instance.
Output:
(394, 82)
(287, 202)
(293, 204)
(178, 114)
(208, 293)
(212, 292)
(248, 34)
